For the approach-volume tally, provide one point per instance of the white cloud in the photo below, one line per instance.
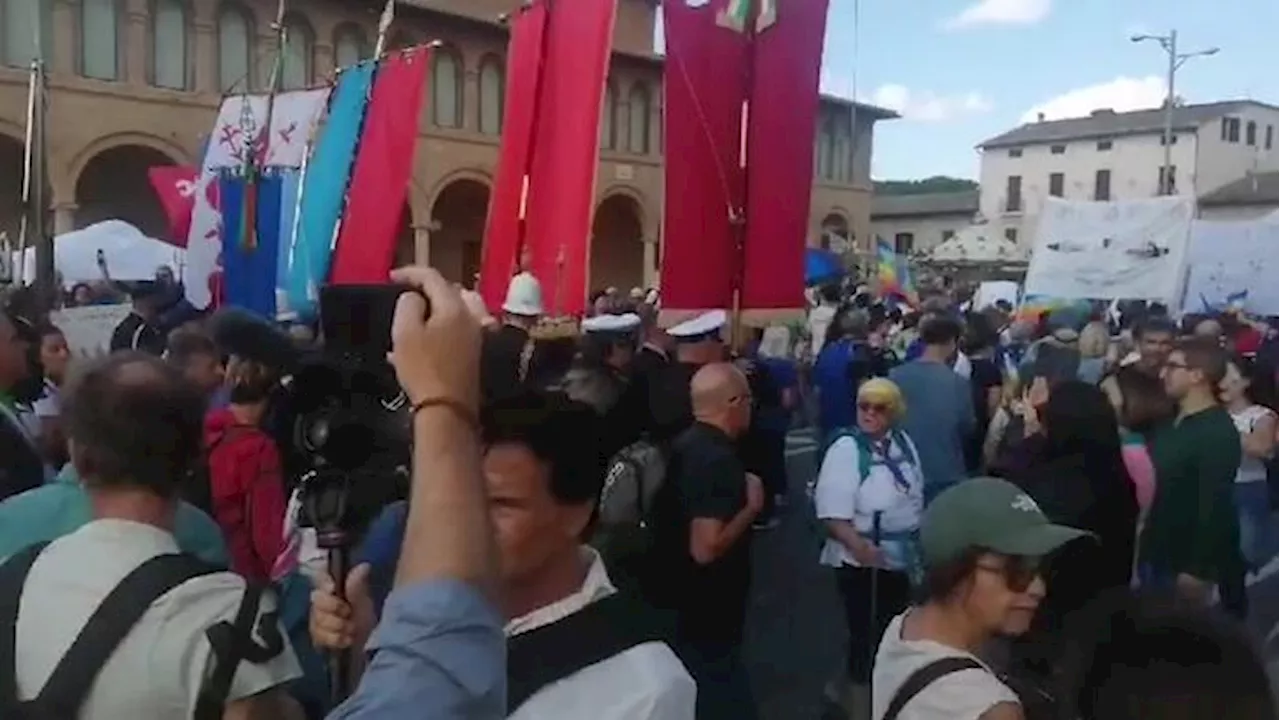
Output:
(926, 105)
(1121, 94)
(1001, 12)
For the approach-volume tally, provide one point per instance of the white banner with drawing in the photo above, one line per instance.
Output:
(88, 329)
(1234, 263)
(1128, 249)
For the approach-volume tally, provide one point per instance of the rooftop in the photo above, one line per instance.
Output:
(950, 203)
(1252, 189)
(1109, 123)
(875, 111)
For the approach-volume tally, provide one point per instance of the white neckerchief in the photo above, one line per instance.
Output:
(656, 349)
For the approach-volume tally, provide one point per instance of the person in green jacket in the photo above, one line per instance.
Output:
(1191, 540)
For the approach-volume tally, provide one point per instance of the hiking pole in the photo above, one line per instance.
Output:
(873, 642)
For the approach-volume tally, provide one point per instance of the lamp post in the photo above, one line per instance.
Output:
(1176, 59)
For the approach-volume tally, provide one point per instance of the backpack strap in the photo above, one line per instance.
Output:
(606, 627)
(232, 644)
(13, 575)
(69, 684)
(922, 678)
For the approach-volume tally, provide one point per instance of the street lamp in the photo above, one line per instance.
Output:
(1176, 59)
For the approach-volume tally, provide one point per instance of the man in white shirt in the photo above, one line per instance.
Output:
(577, 650)
(134, 425)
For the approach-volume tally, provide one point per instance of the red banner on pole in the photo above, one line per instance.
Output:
(566, 149)
(176, 188)
(502, 228)
(384, 164)
(787, 52)
(704, 88)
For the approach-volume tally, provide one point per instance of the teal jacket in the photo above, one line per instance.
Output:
(62, 507)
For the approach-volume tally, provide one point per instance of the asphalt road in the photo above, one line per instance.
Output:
(795, 628)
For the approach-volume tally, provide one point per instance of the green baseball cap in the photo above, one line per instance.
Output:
(988, 513)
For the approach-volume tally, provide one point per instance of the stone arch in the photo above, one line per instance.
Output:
(11, 171)
(617, 243)
(113, 184)
(458, 211)
(177, 154)
(835, 232)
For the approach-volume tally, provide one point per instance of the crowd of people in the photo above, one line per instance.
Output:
(577, 534)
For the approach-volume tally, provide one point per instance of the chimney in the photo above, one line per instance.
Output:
(1039, 117)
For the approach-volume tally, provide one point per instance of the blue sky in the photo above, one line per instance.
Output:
(963, 70)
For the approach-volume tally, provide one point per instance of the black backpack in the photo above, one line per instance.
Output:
(72, 679)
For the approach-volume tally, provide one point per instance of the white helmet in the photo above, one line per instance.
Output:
(524, 296)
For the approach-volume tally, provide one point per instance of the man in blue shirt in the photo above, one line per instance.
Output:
(62, 507)
(939, 415)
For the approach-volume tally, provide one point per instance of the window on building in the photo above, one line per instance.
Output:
(492, 87)
(299, 54)
(825, 144)
(1011, 234)
(902, 243)
(1056, 182)
(1169, 186)
(841, 148)
(609, 118)
(18, 20)
(446, 89)
(1102, 185)
(1013, 194)
(350, 46)
(1268, 137)
(99, 39)
(1015, 152)
(1231, 129)
(638, 120)
(1057, 149)
(235, 49)
(1251, 133)
(169, 45)
(1173, 139)
(948, 234)
(1104, 145)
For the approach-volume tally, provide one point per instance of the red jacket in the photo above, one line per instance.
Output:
(247, 488)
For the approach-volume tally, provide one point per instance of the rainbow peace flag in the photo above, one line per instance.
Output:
(893, 275)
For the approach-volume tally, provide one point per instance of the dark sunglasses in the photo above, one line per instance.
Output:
(1018, 572)
(879, 408)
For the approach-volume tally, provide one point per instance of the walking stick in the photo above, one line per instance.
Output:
(873, 642)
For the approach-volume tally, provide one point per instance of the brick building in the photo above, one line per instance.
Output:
(136, 83)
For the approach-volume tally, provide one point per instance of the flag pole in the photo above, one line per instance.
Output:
(384, 25)
(738, 215)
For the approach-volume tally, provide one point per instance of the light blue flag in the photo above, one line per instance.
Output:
(290, 183)
(324, 188)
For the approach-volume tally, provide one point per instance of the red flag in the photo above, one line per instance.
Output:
(384, 164)
(176, 188)
(502, 228)
(579, 38)
(704, 88)
(787, 51)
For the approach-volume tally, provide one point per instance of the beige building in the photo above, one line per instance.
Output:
(136, 83)
(918, 223)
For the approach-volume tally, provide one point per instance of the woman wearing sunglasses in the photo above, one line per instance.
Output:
(869, 497)
(982, 542)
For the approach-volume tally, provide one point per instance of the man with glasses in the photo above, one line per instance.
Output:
(701, 568)
(1191, 538)
(20, 465)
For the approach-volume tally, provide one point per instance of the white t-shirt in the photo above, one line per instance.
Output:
(157, 670)
(841, 494)
(1251, 468)
(962, 695)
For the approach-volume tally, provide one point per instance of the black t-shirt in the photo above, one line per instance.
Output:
(984, 375)
(705, 480)
(670, 405)
(135, 333)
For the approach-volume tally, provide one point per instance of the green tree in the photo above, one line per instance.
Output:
(935, 184)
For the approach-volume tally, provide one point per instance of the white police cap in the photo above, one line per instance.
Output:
(609, 323)
(702, 327)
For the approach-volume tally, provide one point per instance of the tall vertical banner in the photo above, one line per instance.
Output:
(380, 182)
(502, 227)
(566, 149)
(783, 117)
(704, 88)
(249, 271)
